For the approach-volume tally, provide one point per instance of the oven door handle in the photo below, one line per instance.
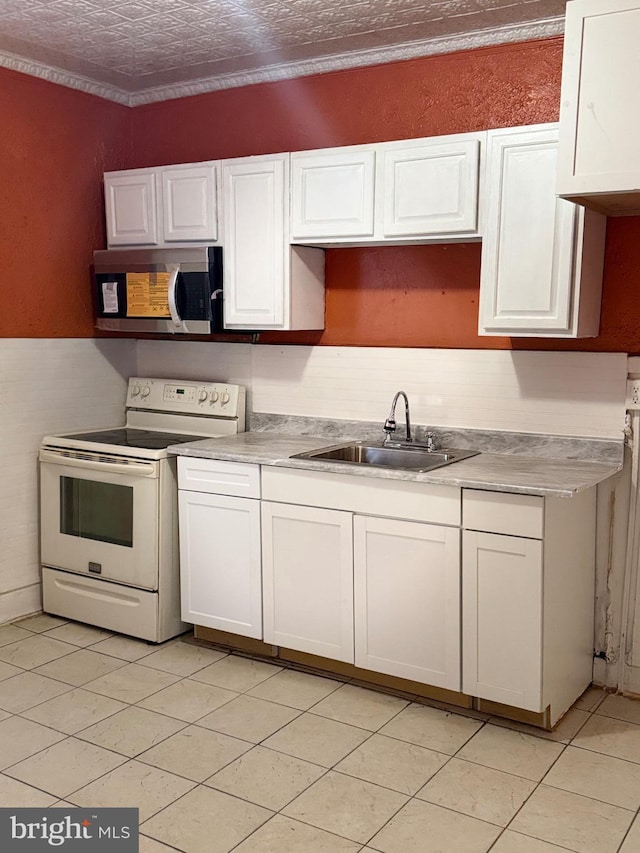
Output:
(136, 469)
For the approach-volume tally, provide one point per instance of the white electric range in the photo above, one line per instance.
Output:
(108, 507)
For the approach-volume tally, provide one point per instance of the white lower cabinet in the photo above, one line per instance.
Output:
(407, 599)
(528, 568)
(502, 605)
(220, 551)
(383, 593)
(308, 579)
(486, 593)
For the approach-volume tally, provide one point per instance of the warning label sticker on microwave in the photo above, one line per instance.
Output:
(147, 294)
(110, 297)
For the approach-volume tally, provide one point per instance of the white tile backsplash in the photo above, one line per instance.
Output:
(46, 386)
(577, 394)
(203, 360)
(58, 385)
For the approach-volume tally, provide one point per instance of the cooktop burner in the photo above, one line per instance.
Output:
(142, 438)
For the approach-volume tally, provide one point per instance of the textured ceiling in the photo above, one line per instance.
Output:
(135, 51)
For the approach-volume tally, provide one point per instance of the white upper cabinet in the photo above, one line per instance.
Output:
(430, 187)
(542, 257)
(189, 203)
(412, 191)
(255, 205)
(332, 193)
(163, 206)
(268, 283)
(600, 106)
(130, 203)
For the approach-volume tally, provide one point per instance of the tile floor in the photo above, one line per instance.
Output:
(220, 753)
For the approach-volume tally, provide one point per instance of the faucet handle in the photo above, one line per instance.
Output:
(430, 441)
(389, 427)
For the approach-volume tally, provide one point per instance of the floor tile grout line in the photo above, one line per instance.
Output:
(625, 836)
(113, 769)
(180, 677)
(13, 779)
(409, 797)
(619, 719)
(188, 778)
(137, 755)
(168, 846)
(541, 783)
(38, 704)
(534, 838)
(61, 741)
(599, 752)
(586, 796)
(327, 770)
(195, 783)
(231, 655)
(74, 649)
(72, 687)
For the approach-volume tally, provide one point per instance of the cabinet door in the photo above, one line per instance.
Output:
(502, 619)
(308, 579)
(407, 600)
(600, 105)
(332, 194)
(130, 202)
(254, 241)
(526, 276)
(189, 203)
(220, 569)
(431, 189)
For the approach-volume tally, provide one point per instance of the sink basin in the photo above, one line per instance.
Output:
(401, 458)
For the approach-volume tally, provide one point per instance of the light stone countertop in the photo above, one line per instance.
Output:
(526, 475)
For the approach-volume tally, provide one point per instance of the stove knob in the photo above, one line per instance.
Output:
(135, 390)
(224, 399)
(213, 397)
(202, 396)
(146, 391)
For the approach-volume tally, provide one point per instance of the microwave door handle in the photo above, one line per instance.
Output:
(171, 296)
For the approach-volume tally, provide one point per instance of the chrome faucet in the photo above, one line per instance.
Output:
(390, 423)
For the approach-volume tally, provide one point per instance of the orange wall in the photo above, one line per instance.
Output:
(62, 140)
(424, 296)
(56, 144)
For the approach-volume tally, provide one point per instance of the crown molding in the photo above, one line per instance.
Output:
(287, 71)
(63, 78)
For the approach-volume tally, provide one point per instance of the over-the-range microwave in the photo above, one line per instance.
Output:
(158, 290)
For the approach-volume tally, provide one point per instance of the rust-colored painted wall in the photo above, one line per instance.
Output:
(473, 90)
(422, 296)
(56, 144)
(61, 141)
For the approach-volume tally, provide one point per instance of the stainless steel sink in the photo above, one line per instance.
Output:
(402, 458)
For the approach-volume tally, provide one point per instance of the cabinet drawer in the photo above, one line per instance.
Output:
(499, 512)
(239, 479)
(404, 499)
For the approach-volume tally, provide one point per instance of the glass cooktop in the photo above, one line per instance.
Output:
(142, 438)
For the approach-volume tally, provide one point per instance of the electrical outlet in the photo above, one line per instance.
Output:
(633, 394)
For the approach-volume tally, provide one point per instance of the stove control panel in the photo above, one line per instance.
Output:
(215, 399)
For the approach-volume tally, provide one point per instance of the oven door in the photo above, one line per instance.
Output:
(100, 518)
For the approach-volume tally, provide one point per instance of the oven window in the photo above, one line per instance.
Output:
(94, 510)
